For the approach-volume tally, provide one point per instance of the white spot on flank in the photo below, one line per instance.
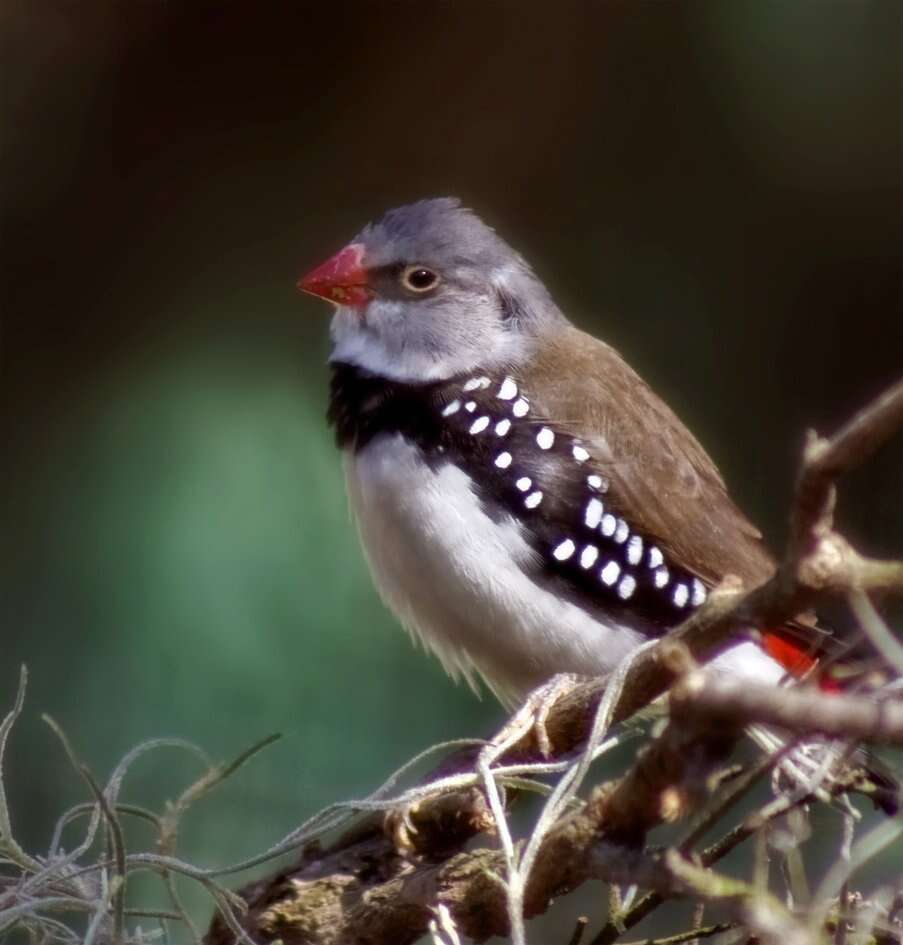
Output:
(520, 407)
(699, 593)
(661, 577)
(479, 425)
(681, 595)
(610, 572)
(472, 384)
(453, 407)
(621, 532)
(508, 390)
(588, 556)
(502, 427)
(593, 515)
(609, 523)
(545, 438)
(580, 454)
(470, 406)
(563, 551)
(626, 587)
(656, 558)
(635, 550)
(594, 481)
(524, 483)
(503, 460)
(533, 499)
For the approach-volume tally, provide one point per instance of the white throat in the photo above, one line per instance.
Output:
(355, 342)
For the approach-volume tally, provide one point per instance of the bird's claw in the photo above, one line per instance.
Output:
(531, 718)
(400, 828)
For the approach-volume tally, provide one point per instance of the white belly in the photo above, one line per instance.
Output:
(453, 576)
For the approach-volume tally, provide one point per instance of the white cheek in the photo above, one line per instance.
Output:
(383, 313)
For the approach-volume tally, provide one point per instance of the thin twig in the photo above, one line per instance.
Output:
(579, 929)
(706, 932)
(8, 844)
(879, 634)
(116, 890)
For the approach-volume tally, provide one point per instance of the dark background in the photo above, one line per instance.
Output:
(715, 188)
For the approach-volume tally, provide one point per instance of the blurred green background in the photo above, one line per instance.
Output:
(713, 187)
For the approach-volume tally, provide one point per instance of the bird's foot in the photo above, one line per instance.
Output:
(398, 824)
(424, 826)
(437, 826)
(531, 718)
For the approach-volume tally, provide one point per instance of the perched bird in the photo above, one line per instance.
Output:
(528, 506)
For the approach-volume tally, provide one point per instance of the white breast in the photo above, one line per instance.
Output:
(454, 576)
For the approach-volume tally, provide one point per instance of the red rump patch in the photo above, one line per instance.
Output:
(796, 659)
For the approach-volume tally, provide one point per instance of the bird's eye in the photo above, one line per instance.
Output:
(419, 279)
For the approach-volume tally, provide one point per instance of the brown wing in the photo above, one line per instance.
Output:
(666, 481)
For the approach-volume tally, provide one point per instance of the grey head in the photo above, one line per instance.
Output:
(429, 291)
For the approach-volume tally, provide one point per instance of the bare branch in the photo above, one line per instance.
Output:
(807, 711)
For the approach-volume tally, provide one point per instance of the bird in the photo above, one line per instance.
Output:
(527, 504)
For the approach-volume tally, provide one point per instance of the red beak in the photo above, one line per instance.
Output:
(341, 280)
